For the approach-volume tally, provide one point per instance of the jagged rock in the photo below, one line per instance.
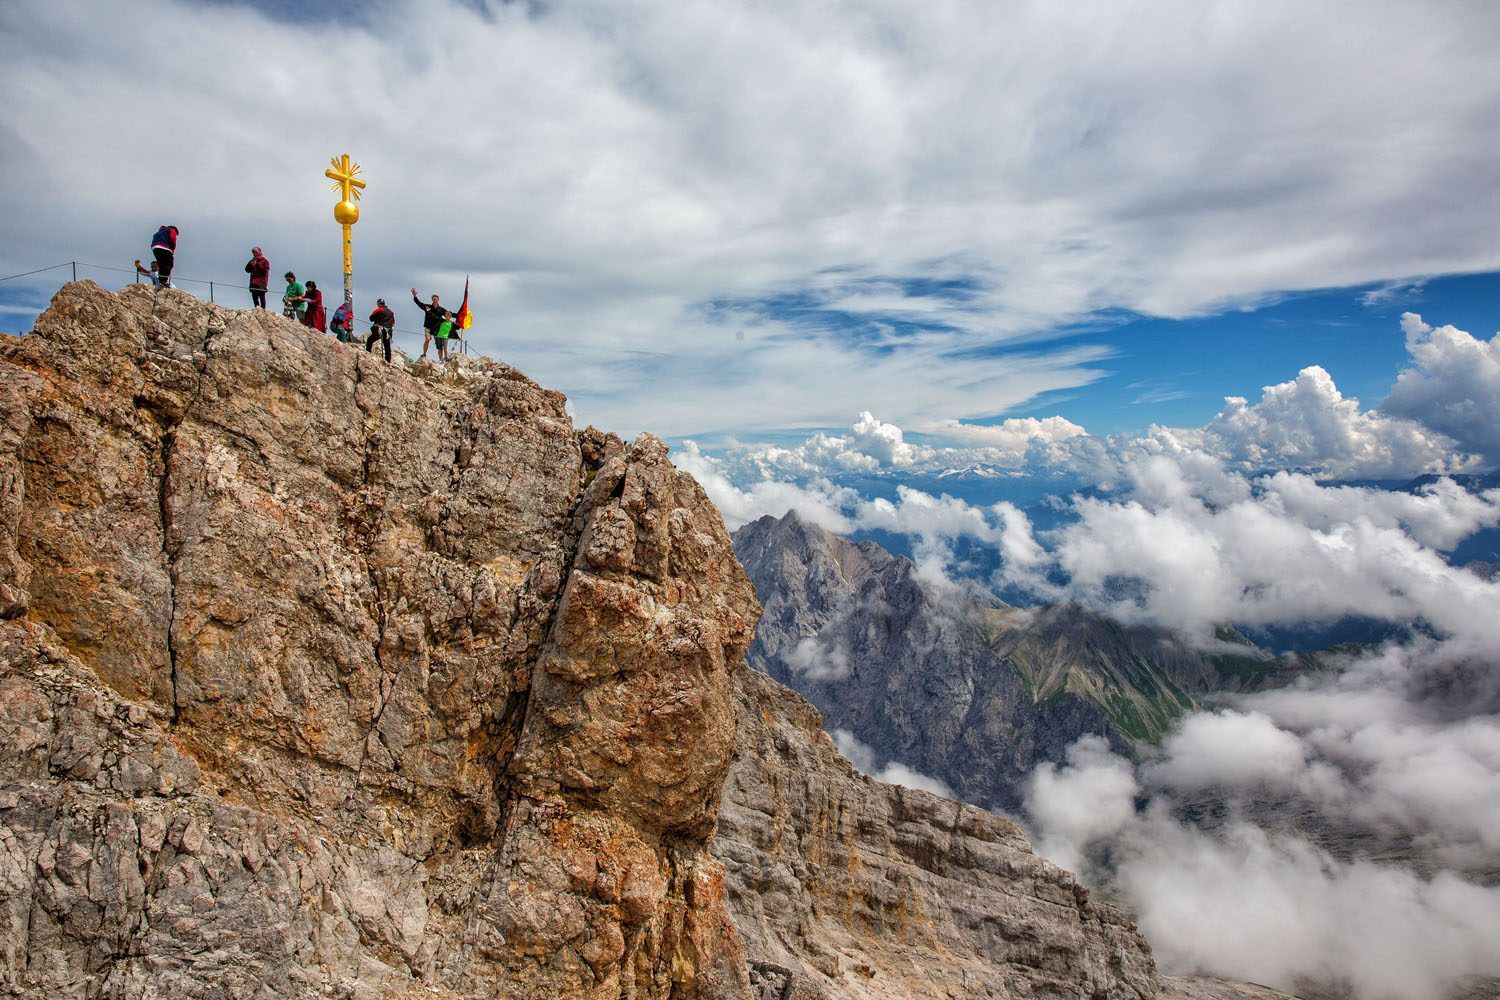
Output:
(844, 887)
(323, 676)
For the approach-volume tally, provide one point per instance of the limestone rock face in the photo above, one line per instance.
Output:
(844, 887)
(320, 676)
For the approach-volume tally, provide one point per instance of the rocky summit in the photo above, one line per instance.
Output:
(322, 677)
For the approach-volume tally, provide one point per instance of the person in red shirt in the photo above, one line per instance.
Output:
(382, 323)
(259, 270)
(315, 317)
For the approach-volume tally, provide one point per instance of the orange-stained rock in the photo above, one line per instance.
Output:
(271, 718)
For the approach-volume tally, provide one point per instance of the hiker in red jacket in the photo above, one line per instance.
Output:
(315, 317)
(259, 270)
(382, 322)
(164, 249)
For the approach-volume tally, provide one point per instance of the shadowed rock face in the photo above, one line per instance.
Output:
(844, 887)
(949, 681)
(322, 676)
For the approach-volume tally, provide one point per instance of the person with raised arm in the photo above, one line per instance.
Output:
(432, 318)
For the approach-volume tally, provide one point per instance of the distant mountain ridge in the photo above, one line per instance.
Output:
(952, 682)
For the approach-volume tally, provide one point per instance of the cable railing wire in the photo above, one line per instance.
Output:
(54, 267)
(212, 283)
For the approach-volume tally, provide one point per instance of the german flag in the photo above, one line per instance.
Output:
(464, 319)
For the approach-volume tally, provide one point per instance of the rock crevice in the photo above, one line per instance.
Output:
(275, 692)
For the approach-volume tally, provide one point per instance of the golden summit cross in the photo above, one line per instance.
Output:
(344, 173)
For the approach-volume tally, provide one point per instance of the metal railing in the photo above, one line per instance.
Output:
(226, 293)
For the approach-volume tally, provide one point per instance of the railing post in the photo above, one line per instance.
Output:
(210, 291)
(75, 269)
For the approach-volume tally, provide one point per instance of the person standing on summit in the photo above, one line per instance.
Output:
(312, 307)
(259, 270)
(293, 305)
(164, 249)
(382, 323)
(431, 320)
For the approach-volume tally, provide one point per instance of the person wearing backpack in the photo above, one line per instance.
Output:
(382, 324)
(342, 324)
(164, 249)
(259, 270)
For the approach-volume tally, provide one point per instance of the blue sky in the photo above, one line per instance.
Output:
(1178, 372)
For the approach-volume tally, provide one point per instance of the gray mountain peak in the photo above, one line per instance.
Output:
(948, 680)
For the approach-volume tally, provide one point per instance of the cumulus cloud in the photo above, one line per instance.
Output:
(1076, 806)
(1267, 900)
(1452, 385)
(1240, 750)
(1308, 424)
(1250, 905)
(882, 441)
(865, 760)
(1014, 436)
(820, 503)
(1190, 546)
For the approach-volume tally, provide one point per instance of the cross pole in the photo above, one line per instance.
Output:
(344, 173)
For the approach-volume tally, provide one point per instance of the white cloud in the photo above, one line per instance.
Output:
(1275, 909)
(1452, 385)
(1411, 764)
(1305, 424)
(818, 661)
(1082, 803)
(1237, 749)
(630, 183)
(882, 441)
(1192, 546)
(1012, 436)
(865, 760)
(1308, 424)
(821, 503)
(1247, 902)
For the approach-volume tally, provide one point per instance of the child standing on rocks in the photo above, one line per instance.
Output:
(442, 333)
